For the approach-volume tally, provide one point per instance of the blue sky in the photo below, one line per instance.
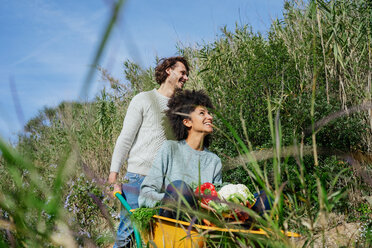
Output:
(47, 46)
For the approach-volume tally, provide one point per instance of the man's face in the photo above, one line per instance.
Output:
(177, 75)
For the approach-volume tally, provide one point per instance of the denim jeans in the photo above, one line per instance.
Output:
(263, 203)
(172, 195)
(130, 192)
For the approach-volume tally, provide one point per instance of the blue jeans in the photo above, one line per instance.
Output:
(130, 191)
(263, 203)
(172, 194)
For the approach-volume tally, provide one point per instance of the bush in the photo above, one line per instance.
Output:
(86, 203)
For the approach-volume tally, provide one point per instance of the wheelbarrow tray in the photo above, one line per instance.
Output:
(167, 232)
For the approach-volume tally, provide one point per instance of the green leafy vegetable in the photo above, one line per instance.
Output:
(143, 218)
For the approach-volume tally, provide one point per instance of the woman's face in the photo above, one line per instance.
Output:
(200, 121)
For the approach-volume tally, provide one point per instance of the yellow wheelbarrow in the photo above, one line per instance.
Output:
(171, 233)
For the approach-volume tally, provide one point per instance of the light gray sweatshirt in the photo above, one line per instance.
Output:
(176, 160)
(142, 134)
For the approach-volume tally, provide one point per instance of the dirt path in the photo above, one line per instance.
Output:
(341, 236)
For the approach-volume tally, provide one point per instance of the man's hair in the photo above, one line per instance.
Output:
(164, 64)
(181, 105)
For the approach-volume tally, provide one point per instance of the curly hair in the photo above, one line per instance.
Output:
(181, 105)
(164, 64)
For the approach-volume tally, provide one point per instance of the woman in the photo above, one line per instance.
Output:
(187, 160)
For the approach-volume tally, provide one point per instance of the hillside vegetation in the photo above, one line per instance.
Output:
(293, 117)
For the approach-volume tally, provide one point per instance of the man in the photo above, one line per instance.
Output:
(142, 135)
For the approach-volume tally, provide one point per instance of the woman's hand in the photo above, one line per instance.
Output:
(205, 206)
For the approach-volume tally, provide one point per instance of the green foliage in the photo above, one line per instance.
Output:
(365, 211)
(81, 202)
(240, 70)
(28, 204)
(142, 218)
(331, 44)
(237, 175)
(140, 79)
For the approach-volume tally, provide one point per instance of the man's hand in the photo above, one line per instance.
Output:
(117, 187)
(112, 177)
(114, 187)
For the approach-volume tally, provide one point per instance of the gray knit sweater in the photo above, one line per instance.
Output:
(176, 160)
(142, 134)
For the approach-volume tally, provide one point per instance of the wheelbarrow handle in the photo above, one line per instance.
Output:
(123, 201)
(128, 208)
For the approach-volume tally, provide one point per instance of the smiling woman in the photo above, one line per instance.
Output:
(183, 111)
(199, 123)
(180, 163)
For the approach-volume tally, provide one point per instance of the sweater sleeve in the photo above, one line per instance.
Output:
(152, 186)
(132, 122)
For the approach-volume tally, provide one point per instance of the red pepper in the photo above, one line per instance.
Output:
(207, 191)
